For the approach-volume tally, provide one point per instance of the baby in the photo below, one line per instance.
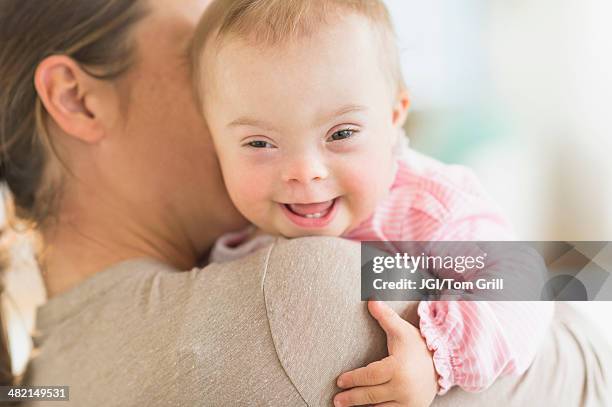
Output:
(305, 103)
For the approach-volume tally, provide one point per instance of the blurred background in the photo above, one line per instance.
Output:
(518, 90)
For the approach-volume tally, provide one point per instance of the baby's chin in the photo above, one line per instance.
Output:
(306, 233)
(292, 232)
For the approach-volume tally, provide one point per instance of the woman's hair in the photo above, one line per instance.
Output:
(95, 34)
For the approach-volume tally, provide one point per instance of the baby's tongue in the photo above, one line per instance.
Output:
(309, 209)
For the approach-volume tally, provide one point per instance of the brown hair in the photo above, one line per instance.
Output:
(270, 22)
(92, 32)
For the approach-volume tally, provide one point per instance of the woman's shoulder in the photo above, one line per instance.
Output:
(195, 327)
(147, 287)
(318, 322)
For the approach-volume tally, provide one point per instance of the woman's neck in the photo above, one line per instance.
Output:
(77, 246)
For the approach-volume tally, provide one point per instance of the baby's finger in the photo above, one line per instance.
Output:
(393, 325)
(378, 372)
(364, 395)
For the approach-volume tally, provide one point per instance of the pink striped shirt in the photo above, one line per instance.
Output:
(473, 343)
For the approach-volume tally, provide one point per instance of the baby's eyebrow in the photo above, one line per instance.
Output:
(248, 121)
(327, 117)
(251, 122)
(348, 109)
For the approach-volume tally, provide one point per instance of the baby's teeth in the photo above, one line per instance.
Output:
(314, 215)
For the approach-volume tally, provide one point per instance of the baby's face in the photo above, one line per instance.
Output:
(305, 132)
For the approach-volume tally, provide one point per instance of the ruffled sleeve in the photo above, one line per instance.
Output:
(474, 342)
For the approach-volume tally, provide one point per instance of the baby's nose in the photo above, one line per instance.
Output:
(304, 169)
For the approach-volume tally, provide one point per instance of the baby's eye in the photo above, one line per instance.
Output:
(342, 134)
(260, 144)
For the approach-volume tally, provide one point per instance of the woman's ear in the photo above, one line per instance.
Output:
(74, 99)
(400, 109)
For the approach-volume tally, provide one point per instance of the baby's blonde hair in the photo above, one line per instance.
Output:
(271, 22)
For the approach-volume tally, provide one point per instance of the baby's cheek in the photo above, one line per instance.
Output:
(249, 192)
(365, 188)
(246, 190)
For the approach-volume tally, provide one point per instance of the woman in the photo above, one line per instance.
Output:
(105, 153)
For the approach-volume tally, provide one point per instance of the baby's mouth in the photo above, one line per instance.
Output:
(311, 210)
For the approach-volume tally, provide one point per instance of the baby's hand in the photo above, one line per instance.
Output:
(404, 378)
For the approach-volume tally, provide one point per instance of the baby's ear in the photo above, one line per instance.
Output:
(400, 108)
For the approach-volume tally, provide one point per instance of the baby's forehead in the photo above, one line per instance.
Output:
(295, 34)
(339, 58)
(347, 46)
